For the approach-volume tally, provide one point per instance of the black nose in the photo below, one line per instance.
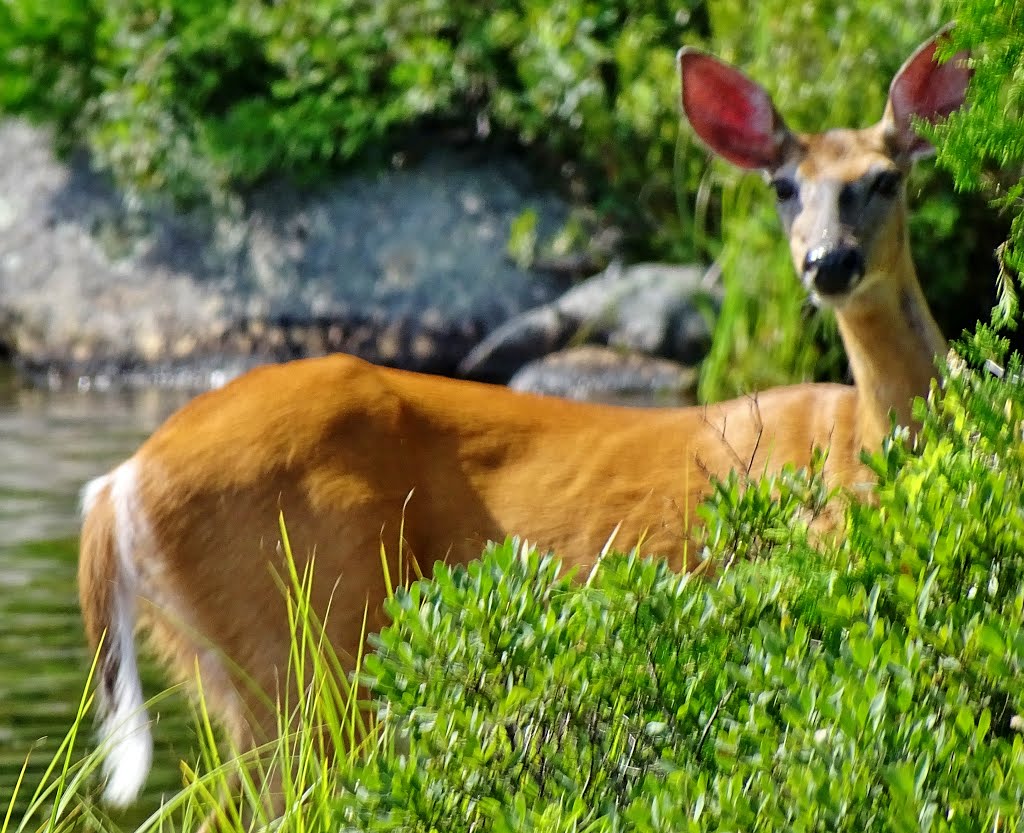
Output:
(834, 270)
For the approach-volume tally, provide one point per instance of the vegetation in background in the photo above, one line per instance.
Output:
(984, 146)
(192, 99)
(198, 101)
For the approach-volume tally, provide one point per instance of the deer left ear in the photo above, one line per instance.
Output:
(927, 90)
(733, 115)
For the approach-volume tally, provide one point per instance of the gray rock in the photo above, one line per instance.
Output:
(657, 309)
(406, 267)
(604, 374)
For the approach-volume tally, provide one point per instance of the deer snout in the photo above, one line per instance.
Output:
(833, 270)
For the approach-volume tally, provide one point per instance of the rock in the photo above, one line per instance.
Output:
(657, 309)
(604, 374)
(406, 267)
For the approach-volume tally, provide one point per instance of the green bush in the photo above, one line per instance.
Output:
(193, 99)
(983, 146)
(874, 684)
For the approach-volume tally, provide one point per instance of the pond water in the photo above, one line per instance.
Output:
(51, 444)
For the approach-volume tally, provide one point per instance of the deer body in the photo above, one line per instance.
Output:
(184, 538)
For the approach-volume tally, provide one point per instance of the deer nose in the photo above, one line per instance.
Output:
(833, 270)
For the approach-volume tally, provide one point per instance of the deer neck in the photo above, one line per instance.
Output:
(892, 342)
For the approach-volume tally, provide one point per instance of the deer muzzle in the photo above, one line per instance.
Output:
(833, 270)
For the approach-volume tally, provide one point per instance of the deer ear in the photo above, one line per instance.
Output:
(733, 115)
(925, 89)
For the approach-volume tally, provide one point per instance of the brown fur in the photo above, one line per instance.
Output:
(480, 463)
(97, 570)
(890, 337)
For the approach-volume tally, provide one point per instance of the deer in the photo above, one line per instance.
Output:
(182, 540)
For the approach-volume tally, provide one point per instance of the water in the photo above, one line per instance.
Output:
(51, 444)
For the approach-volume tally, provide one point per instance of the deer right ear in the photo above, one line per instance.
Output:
(731, 114)
(927, 90)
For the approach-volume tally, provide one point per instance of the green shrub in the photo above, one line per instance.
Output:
(193, 99)
(874, 684)
(983, 146)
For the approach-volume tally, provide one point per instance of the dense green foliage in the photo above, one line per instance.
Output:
(197, 100)
(984, 146)
(876, 684)
(193, 98)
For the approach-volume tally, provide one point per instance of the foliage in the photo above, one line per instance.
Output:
(196, 99)
(872, 684)
(983, 145)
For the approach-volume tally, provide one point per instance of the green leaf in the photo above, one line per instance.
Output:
(989, 639)
(965, 721)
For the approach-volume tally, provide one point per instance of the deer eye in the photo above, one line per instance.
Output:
(887, 184)
(784, 187)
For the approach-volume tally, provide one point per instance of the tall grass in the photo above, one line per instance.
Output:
(54, 795)
(323, 727)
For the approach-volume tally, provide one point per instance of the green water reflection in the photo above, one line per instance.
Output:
(50, 444)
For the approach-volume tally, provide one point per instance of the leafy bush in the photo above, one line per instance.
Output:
(866, 685)
(193, 98)
(984, 146)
